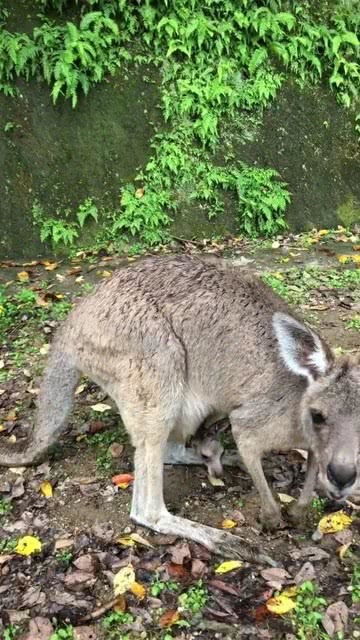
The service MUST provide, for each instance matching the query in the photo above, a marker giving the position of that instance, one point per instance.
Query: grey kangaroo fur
(178, 340)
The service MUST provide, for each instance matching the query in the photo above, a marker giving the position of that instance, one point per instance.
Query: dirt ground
(67, 587)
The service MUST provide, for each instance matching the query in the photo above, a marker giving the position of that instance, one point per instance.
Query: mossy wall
(60, 156)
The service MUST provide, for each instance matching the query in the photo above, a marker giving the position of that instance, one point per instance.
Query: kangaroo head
(211, 450)
(330, 406)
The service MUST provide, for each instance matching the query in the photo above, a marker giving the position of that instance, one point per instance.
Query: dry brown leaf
(169, 618)
(85, 633)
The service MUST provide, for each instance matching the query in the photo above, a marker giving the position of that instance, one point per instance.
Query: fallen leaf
(342, 551)
(335, 619)
(307, 572)
(46, 489)
(120, 604)
(178, 571)
(138, 590)
(12, 438)
(322, 232)
(77, 579)
(126, 541)
(44, 350)
(228, 565)
(39, 629)
(123, 580)
(216, 482)
(334, 522)
(280, 604)
(80, 389)
(87, 562)
(116, 449)
(85, 633)
(140, 540)
(139, 192)
(50, 266)
(285, 499)
(180, 553)
(275, 576)
(290, 592)
(100, 407)
(228, 524)
(104, 274)
(343, 537)
(169, 618)
(122, 480)
(2, 364)
(23, 276)
(224, 586)
(28, 545)
(198, 568)
(63, 543)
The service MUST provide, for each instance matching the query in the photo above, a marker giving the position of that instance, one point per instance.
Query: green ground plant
(195, 598)
(5, 507)
(308, 613)
(220, 60)
(63, 633)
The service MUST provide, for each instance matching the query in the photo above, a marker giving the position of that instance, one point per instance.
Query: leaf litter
(69, 578)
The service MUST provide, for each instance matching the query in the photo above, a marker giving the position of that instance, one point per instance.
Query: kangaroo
(177, 340)
(206, 449)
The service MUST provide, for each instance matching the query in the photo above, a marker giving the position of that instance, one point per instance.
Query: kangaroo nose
(341, 475)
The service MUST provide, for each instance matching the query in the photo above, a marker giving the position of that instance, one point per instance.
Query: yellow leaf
(334, 522)
(290, 592)
(323, 232)
(12, 438)
(342, 551)
(280, 604)
(228, 524)
(50, 266)
(228, 565)
(138, 590)
(344, 258)
(28, 545)
(104, 274)
(123, 580)
(140, 540)
(356, 258)
(126, 541)
(23, 276)
(285, 499)
(46, 489)
(2, 427)
(216, 482)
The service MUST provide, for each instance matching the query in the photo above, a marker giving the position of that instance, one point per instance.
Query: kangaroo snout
(341, 477)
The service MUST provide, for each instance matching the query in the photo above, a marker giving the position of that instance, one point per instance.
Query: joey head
(176, 340)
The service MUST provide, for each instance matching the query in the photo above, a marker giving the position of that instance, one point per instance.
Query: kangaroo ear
(301, 349)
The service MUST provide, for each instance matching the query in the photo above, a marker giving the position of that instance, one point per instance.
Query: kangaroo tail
(54, 405)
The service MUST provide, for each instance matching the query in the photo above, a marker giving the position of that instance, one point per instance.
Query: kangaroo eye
(317, 417)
